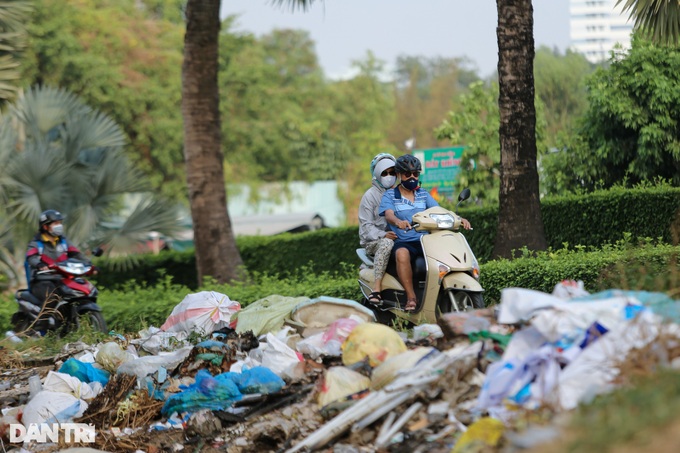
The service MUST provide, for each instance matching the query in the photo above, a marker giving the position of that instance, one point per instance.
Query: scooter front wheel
(464, 300)
(96, 320)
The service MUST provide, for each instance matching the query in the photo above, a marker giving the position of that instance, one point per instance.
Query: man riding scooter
(398, 206)
(48, 247)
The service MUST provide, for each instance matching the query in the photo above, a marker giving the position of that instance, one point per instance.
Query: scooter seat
(24, 294)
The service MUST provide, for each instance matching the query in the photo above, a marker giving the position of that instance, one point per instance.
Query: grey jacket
(371, 225)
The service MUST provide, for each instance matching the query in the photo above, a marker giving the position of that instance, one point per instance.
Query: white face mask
(388, 181)
(57, 230)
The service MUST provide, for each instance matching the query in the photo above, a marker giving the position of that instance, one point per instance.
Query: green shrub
(593, 220)
(647, 267)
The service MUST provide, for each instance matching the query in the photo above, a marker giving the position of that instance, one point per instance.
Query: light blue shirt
(404, 209)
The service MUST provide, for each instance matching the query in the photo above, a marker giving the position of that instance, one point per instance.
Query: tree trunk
(519, 215)
(216, 252)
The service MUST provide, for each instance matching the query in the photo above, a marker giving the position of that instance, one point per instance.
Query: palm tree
(57, 153)
(216, 252)
(519, 215)
(13, 19)
(657, 20)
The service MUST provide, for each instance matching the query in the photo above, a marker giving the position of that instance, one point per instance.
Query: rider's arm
(371, 226)
(33, 256)
(393, 220)
(73, 252)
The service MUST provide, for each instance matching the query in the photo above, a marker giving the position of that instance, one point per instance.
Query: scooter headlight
(75, 268)
(443, 220)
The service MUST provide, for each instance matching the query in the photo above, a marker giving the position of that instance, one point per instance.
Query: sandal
(411, 304)
(375, 298)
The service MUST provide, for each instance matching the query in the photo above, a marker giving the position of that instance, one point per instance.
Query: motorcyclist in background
(49, 246)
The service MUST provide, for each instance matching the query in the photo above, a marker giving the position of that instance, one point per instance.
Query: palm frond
(658, 20)
(150, 214)
(293, 4)
(42, 109)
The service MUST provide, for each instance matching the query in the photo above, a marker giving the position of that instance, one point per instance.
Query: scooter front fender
(461, 280)
(88, 306)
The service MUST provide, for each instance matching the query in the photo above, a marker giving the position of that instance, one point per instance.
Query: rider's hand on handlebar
(465, 223)
(404, 225)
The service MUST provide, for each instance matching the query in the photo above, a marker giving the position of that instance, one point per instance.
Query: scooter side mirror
(97, 251)
(464, 195)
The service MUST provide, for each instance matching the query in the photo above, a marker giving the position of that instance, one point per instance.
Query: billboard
(440, 170)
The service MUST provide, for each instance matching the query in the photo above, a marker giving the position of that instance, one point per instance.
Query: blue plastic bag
(84, 371)
(260, 380)
(206, 393)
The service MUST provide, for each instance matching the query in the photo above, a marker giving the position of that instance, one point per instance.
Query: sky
(345, 30)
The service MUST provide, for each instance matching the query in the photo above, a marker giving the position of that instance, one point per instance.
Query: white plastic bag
(279, 358)
(110, 356)
(52, 407)
(65, 383)
(202, 312)
(154, 340)
(143, 366)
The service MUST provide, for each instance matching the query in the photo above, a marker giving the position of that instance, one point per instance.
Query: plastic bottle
(34, 386)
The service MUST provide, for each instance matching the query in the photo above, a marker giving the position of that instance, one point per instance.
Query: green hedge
(648, 267)
(592, 220)
(584, 220)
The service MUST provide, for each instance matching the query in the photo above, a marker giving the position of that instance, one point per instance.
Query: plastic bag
(267, 314)
(213, 393)
(280, 358)
(375, 341)
(86, 372)
(339, 382)
(566, 289)
(146, 365)
(65, 383)
(387, 371)
(52, 407)
(259, 380)
(202, 312)
(110, 356)
(154, 340)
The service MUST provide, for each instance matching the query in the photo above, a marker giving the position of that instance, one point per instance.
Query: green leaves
(658, 20)
(630, 128)
(58, 153)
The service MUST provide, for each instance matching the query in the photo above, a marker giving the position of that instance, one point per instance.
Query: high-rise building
(596, 26)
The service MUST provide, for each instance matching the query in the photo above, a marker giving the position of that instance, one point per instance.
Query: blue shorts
(413, 247)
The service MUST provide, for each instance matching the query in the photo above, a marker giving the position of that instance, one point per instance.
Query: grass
(628, 415)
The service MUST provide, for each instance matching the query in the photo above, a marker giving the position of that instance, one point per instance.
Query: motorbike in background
(76, 299)
(445, 279)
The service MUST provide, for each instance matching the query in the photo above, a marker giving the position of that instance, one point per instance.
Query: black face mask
(410, 184)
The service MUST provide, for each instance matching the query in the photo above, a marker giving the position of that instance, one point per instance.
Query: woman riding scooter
(398, 207)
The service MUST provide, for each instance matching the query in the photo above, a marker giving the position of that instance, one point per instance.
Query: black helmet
(408, 162)
(49, 216)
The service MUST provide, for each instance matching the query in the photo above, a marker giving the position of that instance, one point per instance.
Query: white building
(596, 26)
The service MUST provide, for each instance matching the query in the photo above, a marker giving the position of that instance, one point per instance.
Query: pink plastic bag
(340, 329)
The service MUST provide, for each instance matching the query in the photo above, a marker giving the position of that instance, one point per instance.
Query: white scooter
(445, 280)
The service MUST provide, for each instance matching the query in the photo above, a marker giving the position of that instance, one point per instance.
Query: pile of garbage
(297, 374)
